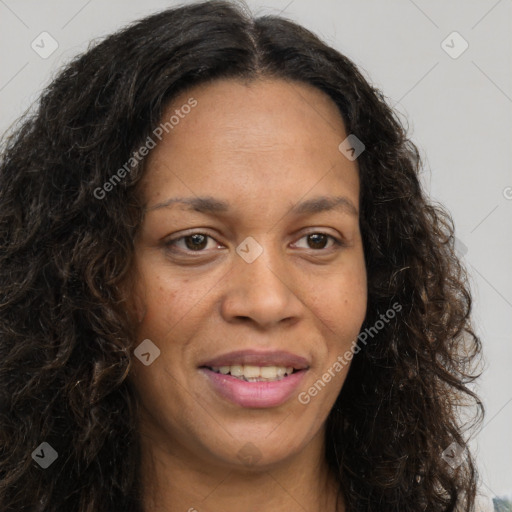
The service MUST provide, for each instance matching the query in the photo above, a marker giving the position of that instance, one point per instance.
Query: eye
(198, 242)
(318, 241)
(195, 242)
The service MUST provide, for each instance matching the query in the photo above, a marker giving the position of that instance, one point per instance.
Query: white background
(459, 113)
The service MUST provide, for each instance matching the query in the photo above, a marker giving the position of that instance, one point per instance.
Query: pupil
(318, 238)
(198, 242)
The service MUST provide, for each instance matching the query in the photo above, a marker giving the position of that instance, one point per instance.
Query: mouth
(252, 373)
(254, 379)
(254, 363)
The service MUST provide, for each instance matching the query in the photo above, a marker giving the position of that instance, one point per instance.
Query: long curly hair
(66, 334)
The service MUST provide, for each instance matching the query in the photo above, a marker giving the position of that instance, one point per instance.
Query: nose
(261, 292)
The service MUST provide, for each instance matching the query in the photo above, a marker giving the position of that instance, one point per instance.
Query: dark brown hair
(66, 338)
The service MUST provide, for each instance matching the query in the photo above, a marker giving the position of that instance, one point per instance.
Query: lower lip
(254, 394)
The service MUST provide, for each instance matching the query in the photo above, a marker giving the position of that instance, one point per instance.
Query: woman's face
(245, 275)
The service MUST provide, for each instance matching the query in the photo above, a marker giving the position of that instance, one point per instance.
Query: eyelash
(171, 244)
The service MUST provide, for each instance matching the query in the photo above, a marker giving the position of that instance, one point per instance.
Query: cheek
(156, 303)
(171, 304)
(342, 306)
(346, 283)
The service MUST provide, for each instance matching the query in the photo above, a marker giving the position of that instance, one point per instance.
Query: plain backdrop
(457, 104)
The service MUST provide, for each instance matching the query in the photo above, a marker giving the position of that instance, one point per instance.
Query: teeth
(280, 371)
(267, 372)
(236, 370)
(253, 373)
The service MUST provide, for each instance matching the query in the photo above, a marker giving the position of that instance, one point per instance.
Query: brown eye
(196, 242)
(317, 240)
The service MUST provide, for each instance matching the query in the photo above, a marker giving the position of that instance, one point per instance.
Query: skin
(262, 146)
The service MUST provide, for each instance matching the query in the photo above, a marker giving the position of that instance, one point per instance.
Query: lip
(254, 394)
(258, 358)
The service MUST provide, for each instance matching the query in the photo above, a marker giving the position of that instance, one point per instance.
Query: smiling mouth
(251, 373)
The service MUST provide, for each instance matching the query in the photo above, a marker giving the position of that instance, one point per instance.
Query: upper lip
(259, 358)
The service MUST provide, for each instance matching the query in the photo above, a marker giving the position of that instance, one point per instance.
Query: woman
(223, 287)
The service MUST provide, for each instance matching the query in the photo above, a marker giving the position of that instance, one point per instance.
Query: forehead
(251, 137)
(255, 114)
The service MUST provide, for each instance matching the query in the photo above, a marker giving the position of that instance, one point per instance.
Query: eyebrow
(210, 205)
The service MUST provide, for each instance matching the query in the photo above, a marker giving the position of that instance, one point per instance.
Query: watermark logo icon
(45, 455)
(249, 249)
(453, 455)
(351, 147)
(454, 45)
(44, 45)
(460, 247)
(146, 352)
(249, 454)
